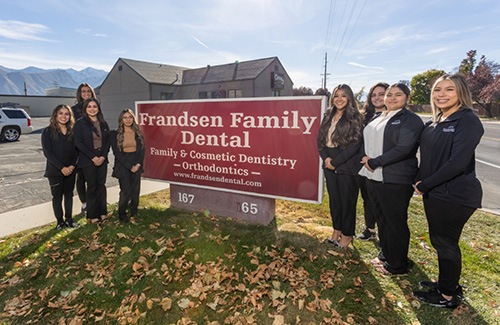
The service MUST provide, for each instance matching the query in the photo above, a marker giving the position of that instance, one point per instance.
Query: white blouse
(373, 136)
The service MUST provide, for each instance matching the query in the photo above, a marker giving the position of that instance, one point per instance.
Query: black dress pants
(130, 188)
(96, 190)
(343, 193)
(370, 219)
(61, 187)
(391, 203)
(81, 186)
(446, 222)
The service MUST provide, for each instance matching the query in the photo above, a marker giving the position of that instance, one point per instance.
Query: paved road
(22, 165)
(21, 173)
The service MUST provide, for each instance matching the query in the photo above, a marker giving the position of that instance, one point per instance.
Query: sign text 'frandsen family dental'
(259, 146)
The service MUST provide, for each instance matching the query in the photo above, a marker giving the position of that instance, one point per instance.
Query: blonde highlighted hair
(462, 89)
(121, 128)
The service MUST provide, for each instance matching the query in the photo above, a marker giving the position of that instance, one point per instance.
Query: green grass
(177, 267)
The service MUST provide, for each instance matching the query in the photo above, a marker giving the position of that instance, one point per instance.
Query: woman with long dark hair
(339, 140)
(390, 164)
(128, 147)
(447, 180)
(61, 154)
(84, 91)
(92, 141)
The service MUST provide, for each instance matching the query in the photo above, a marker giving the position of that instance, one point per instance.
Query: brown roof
(157, 73)
(226, 72)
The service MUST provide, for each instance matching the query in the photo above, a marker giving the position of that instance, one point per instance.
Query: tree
(483, 80)
(322, 92)
(421, 85)
(302, 91)
(359, 96)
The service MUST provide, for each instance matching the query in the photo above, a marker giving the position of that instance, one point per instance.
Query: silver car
(13, 123)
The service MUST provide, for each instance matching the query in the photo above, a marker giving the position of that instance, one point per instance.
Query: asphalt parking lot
(22, 166)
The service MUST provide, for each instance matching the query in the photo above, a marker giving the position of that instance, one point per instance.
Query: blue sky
(366, 41)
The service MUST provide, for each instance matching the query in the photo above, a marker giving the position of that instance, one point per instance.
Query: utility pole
(325, 74)
(25, 89)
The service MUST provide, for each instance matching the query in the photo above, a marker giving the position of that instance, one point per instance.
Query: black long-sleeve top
(399, 158)
(447, 167)
(85, 143)
(60, 151)
(125, 161)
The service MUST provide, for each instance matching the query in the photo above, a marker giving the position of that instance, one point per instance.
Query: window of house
(203, 94)
(235, 93)
(276, 93)
(166, 96)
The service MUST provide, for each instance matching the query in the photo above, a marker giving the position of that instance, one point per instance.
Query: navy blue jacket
(60, 152)
(447, 167)
(125, 161)
(399, 159)
(84, 142)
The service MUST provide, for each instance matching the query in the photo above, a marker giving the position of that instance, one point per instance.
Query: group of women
(81, 147)
(377, 153)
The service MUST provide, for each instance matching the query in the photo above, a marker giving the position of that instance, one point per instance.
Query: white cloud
(364, 66)
(21, 31)
(89, 32)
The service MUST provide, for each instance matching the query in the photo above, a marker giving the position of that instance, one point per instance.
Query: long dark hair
(348, 128)
(369, 108)
(121, 128)
(79, 98)
(100, 116)
(54, 125)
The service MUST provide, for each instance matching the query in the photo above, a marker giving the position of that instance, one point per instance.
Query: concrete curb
(15, 221)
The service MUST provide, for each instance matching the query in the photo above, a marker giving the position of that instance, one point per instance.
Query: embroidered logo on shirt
(396, 122)
(448, 129)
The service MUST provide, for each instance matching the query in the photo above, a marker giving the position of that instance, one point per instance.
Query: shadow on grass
(164, 252)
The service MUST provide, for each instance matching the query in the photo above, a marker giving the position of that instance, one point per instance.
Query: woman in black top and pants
(128, 147)
(61, 154)
(339, 140)
(92, 141)
(447, 180)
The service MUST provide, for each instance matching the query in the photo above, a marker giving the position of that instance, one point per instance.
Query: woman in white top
(390, 164)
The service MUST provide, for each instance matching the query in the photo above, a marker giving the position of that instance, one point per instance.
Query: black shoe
(60, 226)
(436, 299)
(381, 256)
(367, 235)
(124, 219)
(71, 224)
(459, 292)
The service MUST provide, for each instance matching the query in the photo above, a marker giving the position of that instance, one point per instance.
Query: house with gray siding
(131, 80)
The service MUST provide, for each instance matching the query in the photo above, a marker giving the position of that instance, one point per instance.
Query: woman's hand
(66, 171)
(364, 161)
(415, 188)
(135, 168)
(328, 164)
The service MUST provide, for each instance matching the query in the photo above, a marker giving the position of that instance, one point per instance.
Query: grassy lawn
(176, 267)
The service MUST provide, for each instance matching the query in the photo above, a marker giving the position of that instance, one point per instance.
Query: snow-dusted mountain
(37, 80)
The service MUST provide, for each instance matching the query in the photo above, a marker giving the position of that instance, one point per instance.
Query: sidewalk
(38, 215)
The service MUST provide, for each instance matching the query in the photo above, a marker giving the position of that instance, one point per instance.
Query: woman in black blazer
(92, 141)
(339, 140)
(128, 147)
(61, 154)
(390, 164)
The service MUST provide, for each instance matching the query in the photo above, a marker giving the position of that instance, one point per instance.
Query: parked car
(13, 123)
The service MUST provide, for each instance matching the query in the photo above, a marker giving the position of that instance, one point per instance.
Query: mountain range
(38, 80)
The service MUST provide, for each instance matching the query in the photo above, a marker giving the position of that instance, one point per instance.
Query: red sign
(259, 146)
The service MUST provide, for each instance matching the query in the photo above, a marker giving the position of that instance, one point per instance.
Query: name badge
(396, 122)
(449, 129)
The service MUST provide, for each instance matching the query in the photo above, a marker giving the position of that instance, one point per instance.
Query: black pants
(96, 190)
(61, 188)
(370, 219)
(343, 196)
(446, 222)
(130, 188)
(391, 203)
(81, 186)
